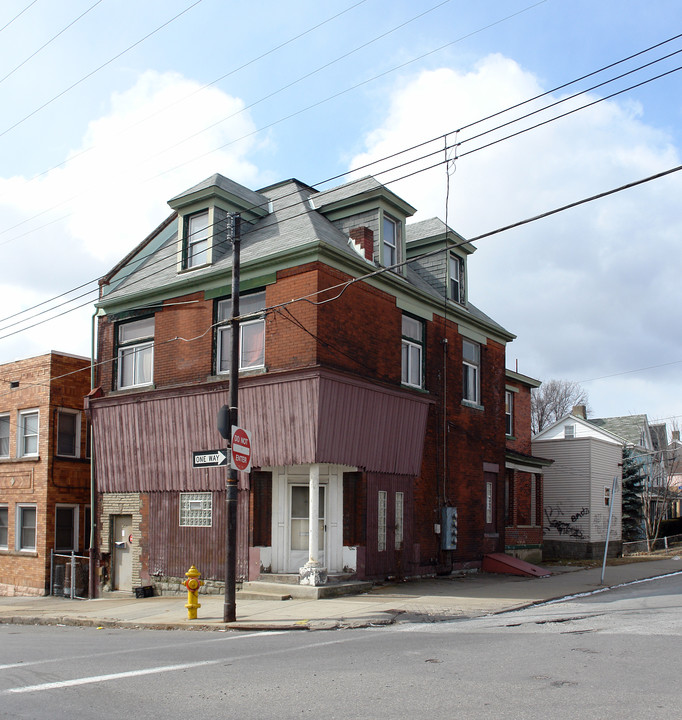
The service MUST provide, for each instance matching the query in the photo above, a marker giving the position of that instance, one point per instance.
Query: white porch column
(312, 573)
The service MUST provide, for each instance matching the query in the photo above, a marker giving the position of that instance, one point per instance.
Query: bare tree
(554, 399)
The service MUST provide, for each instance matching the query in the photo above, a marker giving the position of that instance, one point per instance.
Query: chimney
(579, 411)
(676, 435)
(364, 238)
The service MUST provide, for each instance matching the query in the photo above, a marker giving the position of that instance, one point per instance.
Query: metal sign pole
(608, 529)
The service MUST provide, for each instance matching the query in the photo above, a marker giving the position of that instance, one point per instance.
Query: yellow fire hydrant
(192, 584)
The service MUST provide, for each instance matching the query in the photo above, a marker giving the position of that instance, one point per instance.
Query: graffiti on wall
(565, 524)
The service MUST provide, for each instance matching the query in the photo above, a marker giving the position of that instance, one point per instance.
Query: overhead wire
(18, 15)
(503, 125)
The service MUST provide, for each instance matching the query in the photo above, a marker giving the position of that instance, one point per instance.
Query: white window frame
(390, 240)
(4, 527)
(4, 423)
(195, 509)
(23, 436)
(73, 545)
(412, 353)
(455, 278)
(76, 431)
(509, 412)
(569, 431)
(196, 247)
(20, 526)
(471, 373)
(129, 351)
(247, 304)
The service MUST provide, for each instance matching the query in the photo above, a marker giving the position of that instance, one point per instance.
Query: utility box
(449, 528)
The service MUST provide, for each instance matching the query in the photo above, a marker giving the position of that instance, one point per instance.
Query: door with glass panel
(299, 526)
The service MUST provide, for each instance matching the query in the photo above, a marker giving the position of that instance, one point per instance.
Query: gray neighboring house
(578, 487)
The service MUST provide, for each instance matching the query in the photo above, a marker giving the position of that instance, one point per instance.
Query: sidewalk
(427, 600)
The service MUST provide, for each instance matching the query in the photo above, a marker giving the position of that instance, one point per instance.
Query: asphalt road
(613, 654)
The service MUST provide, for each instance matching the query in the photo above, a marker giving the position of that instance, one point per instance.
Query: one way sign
(209, 458)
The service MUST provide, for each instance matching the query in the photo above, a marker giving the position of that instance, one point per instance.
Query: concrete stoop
(285, 587)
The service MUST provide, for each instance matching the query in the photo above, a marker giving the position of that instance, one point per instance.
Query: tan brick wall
(111, 504)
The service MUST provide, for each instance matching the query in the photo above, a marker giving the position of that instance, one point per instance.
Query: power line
(97, 69)
(6, 25)
(52, 39)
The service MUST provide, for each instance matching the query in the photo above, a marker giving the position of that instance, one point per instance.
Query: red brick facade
(44, 479)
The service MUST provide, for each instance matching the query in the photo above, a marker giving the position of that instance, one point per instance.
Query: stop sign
(241, 449)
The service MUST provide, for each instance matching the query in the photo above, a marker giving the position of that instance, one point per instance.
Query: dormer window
(195, 249)
(390, 241)
(455, 278)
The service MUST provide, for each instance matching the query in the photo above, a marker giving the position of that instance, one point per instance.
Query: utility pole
(229, 608)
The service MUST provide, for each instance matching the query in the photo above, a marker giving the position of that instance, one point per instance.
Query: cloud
(590, 291)
(73, 222)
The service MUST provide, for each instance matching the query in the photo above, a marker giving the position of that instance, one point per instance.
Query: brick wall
(110, 504)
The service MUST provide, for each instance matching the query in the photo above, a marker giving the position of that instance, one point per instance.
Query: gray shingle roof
(632, 428)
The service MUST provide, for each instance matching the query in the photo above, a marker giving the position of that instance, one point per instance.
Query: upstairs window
(68, 433)
(195, 249)
(136, 353)
(509, 412)
(412, 352)
(4, 436)
(569, 431)
(471, 372)
(390, 241)
(27, 441)
(251, 334)
(456, 278)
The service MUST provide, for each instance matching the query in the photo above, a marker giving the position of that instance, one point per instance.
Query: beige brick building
(44, 468)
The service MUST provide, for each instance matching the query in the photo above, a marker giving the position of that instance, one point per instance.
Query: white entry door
(299, 525)
(122, 565)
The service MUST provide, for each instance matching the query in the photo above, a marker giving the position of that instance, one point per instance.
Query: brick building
(44, 468)
(367, 378)
(523, 485)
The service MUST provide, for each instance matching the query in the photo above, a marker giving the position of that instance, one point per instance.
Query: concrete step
(265, 590)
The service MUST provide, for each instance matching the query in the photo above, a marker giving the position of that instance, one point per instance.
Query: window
(4, 519)
(399, 512)
(607, 496)
(251, 334)
(509, 412)
(136, 353)
(456, 278)
(195, 251)
(66, 528)
(196, 509)
(490, 480)
(27, 442)
(68, 433)
(569, 431)
(381, 521)
(26, 527)
(4, 436)
(390, 240)
(412, 352)
(471, 358)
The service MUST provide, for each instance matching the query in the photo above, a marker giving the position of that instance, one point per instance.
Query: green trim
(250, 284)
(472, 335)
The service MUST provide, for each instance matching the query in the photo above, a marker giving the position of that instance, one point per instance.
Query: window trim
(569, 431)
(5, 419)
(22, 436)
(410, 342)
(74, 527)
(19, 527)
(509, 413)
(455, 260)
(227, 328)
(382, 510)
(4, 545)
(76, 432)
(471, 368)
(387, 247)
(138, 344)
(188, 244)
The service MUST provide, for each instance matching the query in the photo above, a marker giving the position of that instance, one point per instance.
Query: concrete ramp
(501, 563)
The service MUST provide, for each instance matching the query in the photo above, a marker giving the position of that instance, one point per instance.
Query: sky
(109, 108)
